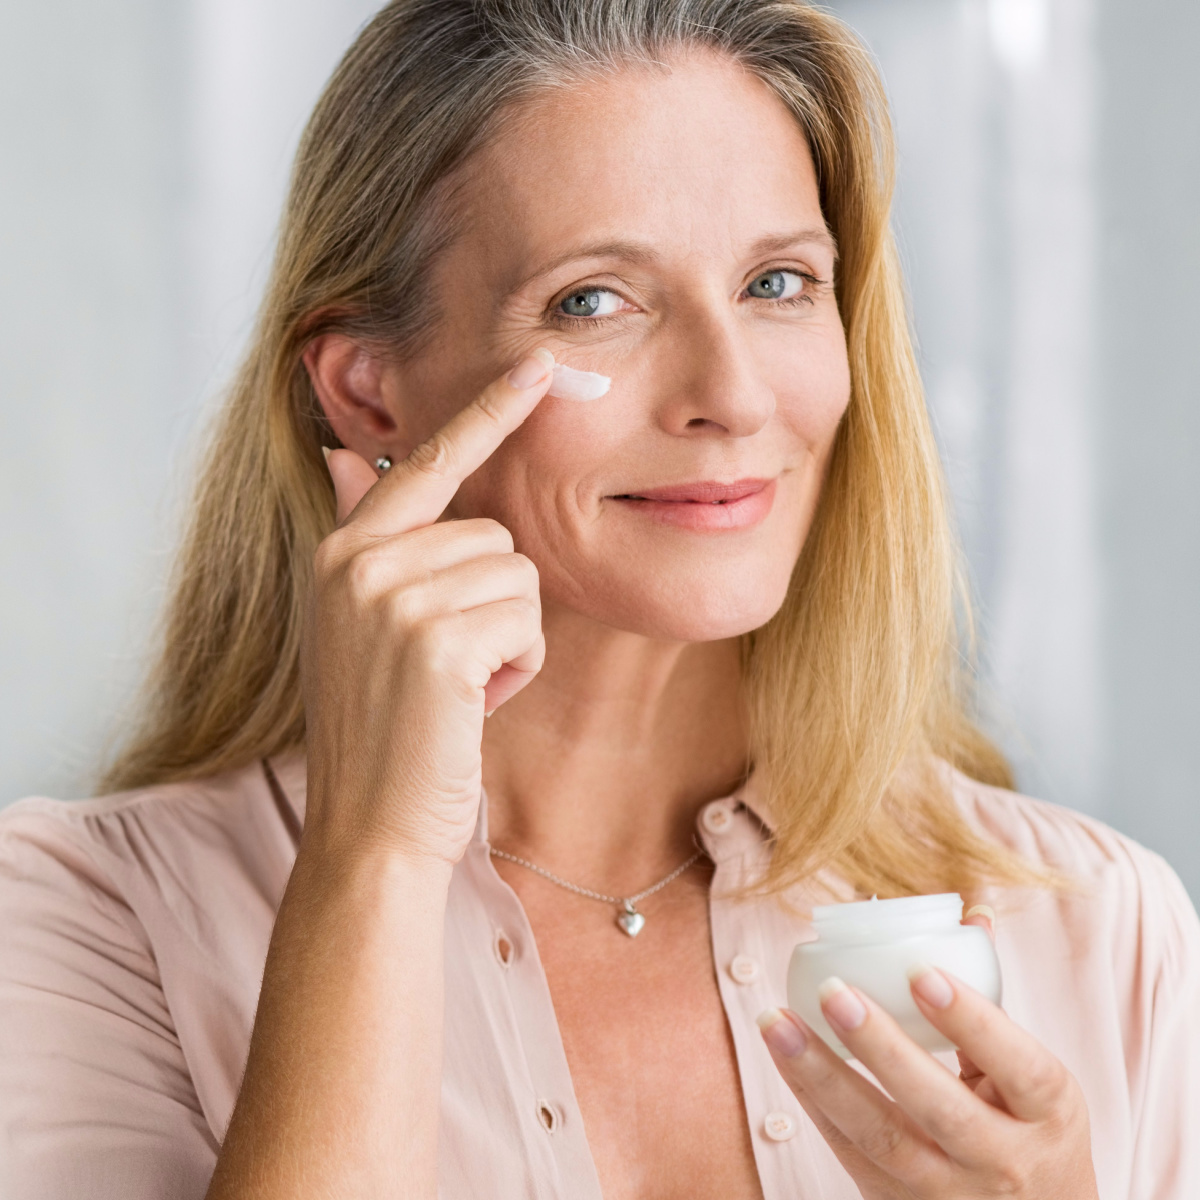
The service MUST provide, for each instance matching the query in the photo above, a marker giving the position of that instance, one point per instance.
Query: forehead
(693, 155)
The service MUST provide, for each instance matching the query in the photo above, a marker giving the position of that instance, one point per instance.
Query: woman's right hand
(417, 628)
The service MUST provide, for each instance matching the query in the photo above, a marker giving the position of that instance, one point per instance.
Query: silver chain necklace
(629, 919)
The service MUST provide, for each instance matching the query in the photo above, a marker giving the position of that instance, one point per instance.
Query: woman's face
(662, 227)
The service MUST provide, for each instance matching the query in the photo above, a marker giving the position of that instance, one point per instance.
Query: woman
(454, 668)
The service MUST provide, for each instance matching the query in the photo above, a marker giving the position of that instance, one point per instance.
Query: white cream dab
(569, 384)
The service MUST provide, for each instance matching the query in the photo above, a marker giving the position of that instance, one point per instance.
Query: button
(779, 1126)
(547, 1115)
(743, 969)
(717, 817)
(503, 948)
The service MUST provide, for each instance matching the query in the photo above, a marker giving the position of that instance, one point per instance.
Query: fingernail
(931, 985)
(325, 450)
(840, 1004)
(532, 369)
(781, 1033)
(981, 910)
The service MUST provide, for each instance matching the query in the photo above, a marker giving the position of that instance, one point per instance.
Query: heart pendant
(631, 922)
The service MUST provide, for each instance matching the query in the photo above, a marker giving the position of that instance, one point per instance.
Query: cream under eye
(570, 384)
(588, 303)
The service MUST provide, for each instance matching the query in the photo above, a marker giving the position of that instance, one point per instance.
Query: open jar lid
(874, 919)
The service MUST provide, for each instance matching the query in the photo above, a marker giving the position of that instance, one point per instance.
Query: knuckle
(540, 658)
(886, 1142)
(362, 574)
(497, 535)
(977, 1027)
(432, 640)
(838, 1141)
(488, 404)
(817, 1075)
(490, 535)
(531, 612)
(1067, 1107)
(890, 1055)
(432, 458)
(1047, 1080)
(528, 570)
(405, 607)
(950, 1120)
(1011, 1178)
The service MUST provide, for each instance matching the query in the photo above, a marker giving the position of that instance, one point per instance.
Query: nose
(716, 388)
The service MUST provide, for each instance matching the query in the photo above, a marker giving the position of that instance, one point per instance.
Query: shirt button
(779, 1126)
(717, 817)
(503, 948)
(743, 969)
(547, 1115)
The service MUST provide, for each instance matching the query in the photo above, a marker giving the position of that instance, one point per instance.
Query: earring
(384, 463)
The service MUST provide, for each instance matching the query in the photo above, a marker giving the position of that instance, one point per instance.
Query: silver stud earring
(384, 463)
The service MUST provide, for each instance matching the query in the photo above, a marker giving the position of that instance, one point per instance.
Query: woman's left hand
(1013, 1125)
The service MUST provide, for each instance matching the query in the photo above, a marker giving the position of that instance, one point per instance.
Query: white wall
(1050, 157)
(1050, 164)
(144, 150)
(92, 184)
(1148, 420)
(995, 104)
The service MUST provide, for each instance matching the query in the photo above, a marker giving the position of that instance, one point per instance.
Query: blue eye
(773, 285)
(589, 302)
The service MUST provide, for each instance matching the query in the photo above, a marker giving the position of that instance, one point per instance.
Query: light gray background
(1050, 167)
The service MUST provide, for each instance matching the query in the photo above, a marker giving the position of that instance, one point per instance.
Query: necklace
(629, 919)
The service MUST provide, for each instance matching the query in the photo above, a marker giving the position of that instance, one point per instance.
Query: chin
(684, 610)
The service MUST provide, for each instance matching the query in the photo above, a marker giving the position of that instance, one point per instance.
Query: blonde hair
(854, 687)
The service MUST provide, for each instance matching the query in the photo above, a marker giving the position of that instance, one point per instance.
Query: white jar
(872, 944)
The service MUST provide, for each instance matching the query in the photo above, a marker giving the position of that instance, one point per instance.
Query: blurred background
(1047, 212)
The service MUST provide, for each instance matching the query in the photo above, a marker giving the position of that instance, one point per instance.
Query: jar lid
(887, 918)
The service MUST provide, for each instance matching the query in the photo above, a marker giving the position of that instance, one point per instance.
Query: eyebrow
(781, 241)
(643, 254)
(636, 252)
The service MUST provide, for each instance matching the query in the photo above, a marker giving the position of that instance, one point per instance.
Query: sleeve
(1166, 1149)
(95, 1097)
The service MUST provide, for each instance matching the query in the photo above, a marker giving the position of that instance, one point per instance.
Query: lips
(706, 505)
(701, 493)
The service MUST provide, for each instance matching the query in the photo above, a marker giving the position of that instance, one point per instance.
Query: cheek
(813, 396)
(537, 483)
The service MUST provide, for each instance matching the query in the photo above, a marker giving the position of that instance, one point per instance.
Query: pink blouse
(134, 928)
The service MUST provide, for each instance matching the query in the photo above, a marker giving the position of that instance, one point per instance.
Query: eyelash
(804, 297)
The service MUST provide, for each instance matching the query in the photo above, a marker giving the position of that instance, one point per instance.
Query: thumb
(984, 916)
(353, 477)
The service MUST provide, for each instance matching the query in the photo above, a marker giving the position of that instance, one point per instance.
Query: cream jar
(873, 944)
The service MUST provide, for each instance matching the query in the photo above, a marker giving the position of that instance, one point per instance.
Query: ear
(353, 387)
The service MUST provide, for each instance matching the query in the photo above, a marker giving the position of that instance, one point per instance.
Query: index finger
(415, 492)
(965, 1126)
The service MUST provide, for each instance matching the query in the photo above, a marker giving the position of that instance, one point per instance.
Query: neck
(597, 768)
